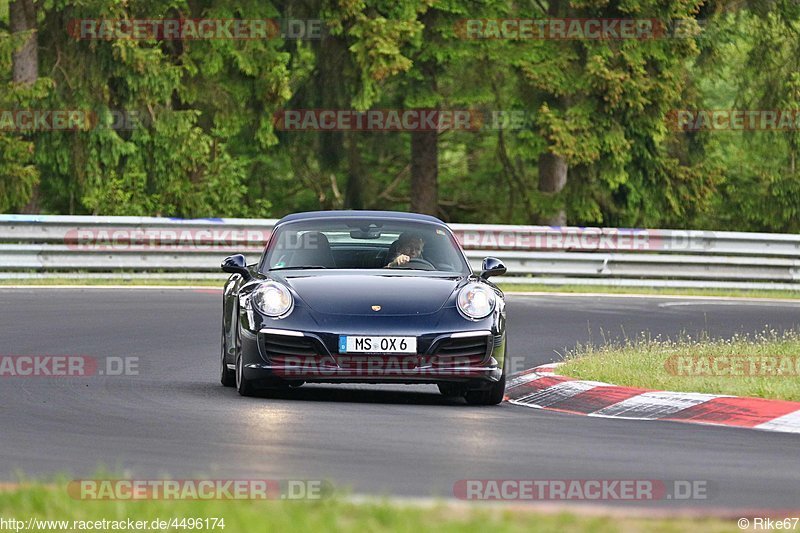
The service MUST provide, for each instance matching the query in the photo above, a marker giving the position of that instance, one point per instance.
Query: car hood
(356, 294)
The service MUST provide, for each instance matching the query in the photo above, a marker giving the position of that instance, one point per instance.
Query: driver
(409, 246)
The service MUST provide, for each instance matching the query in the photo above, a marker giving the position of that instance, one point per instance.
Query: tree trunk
(425, 144)
(25, 65)
(354, 194)
(553, 168)
(552, 179)
(22, 17)
(425, 172)
(331, 82)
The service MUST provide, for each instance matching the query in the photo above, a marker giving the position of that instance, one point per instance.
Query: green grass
(51, 502)
(652, 364)
(655, 291)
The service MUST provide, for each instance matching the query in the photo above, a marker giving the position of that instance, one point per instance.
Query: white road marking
(654, 405)
(789, 423)
(557, 393)
(771, 303)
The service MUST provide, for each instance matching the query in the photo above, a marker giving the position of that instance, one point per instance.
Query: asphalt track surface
(175, 420)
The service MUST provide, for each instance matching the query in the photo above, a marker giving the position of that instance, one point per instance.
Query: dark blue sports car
(368, 297)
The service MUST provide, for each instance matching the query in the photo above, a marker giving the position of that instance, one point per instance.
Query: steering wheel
(419, 263)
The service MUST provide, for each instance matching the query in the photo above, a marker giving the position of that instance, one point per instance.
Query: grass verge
(655, 291)
(764, 366)
(46, 502)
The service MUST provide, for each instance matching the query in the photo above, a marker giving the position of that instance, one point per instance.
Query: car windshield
(364, 244)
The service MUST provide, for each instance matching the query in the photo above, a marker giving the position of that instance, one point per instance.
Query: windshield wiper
(301, 267)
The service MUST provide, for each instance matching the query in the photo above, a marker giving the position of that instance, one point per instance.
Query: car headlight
(476, 301)
(272, 299)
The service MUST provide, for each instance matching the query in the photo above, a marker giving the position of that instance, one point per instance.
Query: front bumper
(474, 358)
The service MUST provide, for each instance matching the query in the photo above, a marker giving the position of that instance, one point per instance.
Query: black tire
(491, 396)
(227, 377)
(450, 389)
(243, 385)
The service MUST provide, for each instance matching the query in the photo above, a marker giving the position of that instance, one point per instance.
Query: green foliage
(18, 173)
(758, 70)
(203, 142)
(202, 113)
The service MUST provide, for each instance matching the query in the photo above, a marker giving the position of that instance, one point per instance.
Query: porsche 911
(364, 297)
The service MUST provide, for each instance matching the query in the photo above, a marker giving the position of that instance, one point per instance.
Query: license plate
(356, 344)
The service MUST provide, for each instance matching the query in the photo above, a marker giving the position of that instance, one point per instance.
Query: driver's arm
(401, 259)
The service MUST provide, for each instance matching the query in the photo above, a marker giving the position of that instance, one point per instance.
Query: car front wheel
(243, 385)
(227, 376)
(491, 396)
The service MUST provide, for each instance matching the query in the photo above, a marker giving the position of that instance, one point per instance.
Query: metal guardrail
(82, 246)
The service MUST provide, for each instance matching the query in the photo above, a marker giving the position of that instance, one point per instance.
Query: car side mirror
(236, 264)
(492, 266)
